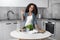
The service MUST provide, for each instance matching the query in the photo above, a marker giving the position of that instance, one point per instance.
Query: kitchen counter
(20, 19)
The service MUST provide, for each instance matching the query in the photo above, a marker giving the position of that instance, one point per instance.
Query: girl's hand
(22, 11)
(37, 27)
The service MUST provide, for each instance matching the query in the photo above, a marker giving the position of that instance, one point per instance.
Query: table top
(25, 35)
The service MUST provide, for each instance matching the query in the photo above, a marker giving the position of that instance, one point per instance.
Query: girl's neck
(30, 13)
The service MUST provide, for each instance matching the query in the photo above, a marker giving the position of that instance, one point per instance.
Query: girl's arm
(22, 15)
(36, 24)
(37, 27)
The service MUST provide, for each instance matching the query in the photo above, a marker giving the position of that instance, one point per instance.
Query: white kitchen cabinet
(57, 35)
(5, 30)
(23, 3)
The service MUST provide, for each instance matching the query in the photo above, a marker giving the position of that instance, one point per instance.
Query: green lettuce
(30, 27)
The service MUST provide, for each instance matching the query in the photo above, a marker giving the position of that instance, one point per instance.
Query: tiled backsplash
(4, 10)
(16, 10)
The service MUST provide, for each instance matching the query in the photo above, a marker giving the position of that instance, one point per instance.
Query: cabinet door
(5, 31)
(57, 35)
(23, 3)
(39, 3)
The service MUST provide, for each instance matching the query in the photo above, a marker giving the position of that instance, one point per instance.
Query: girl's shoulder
(33, 14)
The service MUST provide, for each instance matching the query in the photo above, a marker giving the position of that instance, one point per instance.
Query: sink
(14, 23)
(8, 23)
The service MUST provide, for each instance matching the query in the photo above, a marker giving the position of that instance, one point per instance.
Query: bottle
(39, 16)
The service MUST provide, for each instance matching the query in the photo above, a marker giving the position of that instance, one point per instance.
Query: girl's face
(31, 8)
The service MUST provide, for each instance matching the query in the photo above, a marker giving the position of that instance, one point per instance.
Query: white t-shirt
(29, 20)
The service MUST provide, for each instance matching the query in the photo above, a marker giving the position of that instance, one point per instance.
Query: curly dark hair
(35, 10)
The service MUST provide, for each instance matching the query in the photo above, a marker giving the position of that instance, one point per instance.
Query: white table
(25, 35)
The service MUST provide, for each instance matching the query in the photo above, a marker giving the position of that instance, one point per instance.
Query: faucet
(8, 14)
